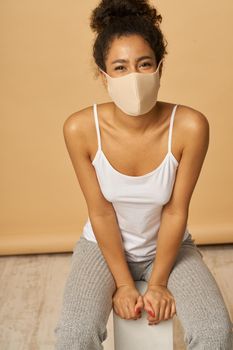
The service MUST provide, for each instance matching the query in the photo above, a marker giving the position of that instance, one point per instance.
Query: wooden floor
(31, 294)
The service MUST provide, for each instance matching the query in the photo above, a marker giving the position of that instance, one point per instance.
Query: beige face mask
(134, 93)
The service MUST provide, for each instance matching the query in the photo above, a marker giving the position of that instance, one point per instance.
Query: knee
(79, 337)
(217, 336)
(69, 337)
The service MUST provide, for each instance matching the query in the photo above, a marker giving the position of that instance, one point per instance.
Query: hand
(159, 303)
(127, 301)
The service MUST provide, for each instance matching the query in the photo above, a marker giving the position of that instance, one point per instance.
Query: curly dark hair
(115, 18)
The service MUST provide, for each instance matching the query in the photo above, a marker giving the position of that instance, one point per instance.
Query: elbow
(101, 214)
(178, 212)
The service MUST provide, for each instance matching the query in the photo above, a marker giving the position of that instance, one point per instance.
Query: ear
(103, 78)
(160, 70)
(161, 67)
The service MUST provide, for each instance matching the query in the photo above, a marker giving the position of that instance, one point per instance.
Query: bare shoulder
(82, 121)
(191, 125)
(78, 121)
(191, 120)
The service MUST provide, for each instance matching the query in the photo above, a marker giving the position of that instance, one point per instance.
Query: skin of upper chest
(132, 153)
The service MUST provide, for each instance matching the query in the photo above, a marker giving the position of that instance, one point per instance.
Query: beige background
(47, 73)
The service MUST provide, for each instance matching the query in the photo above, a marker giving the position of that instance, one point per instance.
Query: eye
(146, 63)
(118, 68)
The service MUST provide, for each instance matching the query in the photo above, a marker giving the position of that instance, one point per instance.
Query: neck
(137, 124)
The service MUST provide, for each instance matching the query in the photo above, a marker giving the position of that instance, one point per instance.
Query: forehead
(129, 47)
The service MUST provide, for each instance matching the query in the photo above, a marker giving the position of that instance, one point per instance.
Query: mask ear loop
(102, 71)
(105, 75)
(160, 64)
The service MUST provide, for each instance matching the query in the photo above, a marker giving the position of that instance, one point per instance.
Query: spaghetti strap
(170, 128)
(97, 125)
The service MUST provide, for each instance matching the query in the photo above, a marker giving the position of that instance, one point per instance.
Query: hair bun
(108, 10)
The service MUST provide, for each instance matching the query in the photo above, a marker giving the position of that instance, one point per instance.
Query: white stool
(138, 335)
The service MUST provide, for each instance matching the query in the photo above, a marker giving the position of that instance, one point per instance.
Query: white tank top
(137, 200)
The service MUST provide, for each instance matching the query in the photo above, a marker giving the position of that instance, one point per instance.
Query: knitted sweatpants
(87, 299)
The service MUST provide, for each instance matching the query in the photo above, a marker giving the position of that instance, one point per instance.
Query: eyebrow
(137, 60)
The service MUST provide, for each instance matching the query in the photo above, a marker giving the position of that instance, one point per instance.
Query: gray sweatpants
(87, 299)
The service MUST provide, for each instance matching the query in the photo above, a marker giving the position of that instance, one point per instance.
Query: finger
(148, 308)
(136, 310)
(151, 317)
(138, 314)
(173, 309)
(139, 305)
(168, 311)
(127, 311)
(116, 309)
(132, 313)
(122, 312)
(156, 310)
(163, 304)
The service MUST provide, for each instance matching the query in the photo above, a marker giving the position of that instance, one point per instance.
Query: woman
(137, 161)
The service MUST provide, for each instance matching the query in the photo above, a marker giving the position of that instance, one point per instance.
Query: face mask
(134, 93)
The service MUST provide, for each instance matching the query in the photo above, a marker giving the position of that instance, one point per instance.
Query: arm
(175, 213)
(101, 212)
